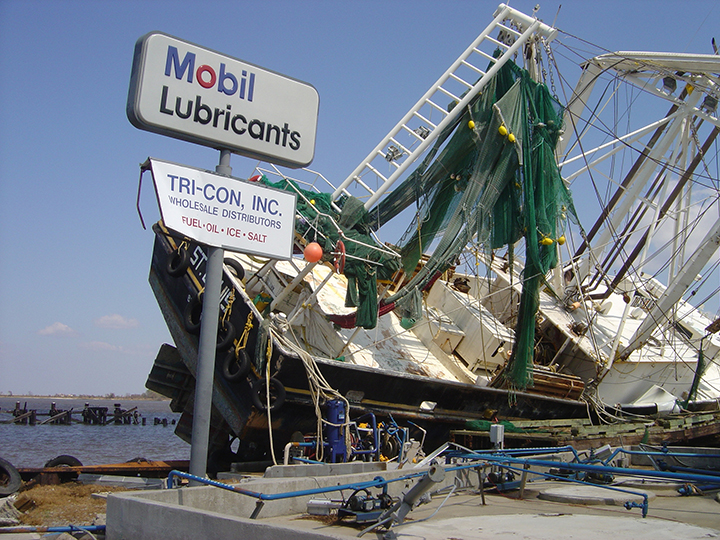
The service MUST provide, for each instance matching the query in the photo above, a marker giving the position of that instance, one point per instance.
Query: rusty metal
(57, 475)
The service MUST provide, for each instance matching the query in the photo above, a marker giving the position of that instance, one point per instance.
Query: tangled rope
(320, 390)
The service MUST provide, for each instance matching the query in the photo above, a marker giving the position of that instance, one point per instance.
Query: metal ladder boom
(409, 139)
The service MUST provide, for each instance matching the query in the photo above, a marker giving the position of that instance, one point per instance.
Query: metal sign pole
(207, 348)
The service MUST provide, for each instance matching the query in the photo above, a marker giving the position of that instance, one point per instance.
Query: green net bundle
(494, 181)
(365, 261)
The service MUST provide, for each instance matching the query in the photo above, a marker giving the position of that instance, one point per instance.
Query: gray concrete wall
(135, 518)
(210, 512)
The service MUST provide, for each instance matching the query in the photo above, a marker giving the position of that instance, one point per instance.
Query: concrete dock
(548, 510)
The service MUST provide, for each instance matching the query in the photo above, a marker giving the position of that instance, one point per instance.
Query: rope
(228, 309)
(267, 398)
(320, 389)
(242, 342)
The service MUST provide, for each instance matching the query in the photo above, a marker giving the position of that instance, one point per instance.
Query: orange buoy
(313, 252)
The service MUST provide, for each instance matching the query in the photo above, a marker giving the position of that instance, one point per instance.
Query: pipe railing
(481, 459)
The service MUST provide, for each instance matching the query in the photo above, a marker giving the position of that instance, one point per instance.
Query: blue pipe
(378, 481)
(672, 468)
(306, 460)
(376, 437)
(645, 505)
(597, 468)
(42, 529)
(209, 482)
(522, 451)
(688, 490)
(660, 454)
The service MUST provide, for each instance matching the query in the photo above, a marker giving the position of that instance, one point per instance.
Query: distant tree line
(147, 394)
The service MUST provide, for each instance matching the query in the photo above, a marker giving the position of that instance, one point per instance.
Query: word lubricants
(192, 93)
(225, 118)
(225, 212)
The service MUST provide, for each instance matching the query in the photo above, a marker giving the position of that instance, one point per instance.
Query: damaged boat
(499, 300)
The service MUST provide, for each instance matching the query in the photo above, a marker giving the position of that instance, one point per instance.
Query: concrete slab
(552, 527)
(201, 513)
(661, 488)
(192, 512)
(320, 469)
(582, 494)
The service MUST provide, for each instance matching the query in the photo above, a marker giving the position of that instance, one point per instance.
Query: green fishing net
(494, 181)
(365, 261)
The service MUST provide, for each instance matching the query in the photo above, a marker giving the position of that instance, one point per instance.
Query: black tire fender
(178, 262)
(225, 336)
(191, 316)
(241, 360)
(10, 480)
(236, 267)
(70, 461)
(277, 391)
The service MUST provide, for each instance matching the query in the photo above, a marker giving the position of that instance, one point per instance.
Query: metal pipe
(628, 504)
(43, 529)
(205, 369)
(288, 446)
(598, 468)
(523, 451)
(401, 508)
(287, 290)
(660, 453)
(378, 481)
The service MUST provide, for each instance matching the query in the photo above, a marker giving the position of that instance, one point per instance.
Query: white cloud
(57, 329)
(115, 321)
(99, 346)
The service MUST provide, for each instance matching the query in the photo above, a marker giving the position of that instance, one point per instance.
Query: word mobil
(206, 75)
(228, 84)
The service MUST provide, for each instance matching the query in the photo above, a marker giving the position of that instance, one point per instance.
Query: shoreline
(83, 396)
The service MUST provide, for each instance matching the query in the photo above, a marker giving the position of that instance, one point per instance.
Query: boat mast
(613, 230)
(694, 265)
(447, 98)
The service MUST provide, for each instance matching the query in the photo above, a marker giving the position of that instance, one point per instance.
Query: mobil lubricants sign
(195, 94)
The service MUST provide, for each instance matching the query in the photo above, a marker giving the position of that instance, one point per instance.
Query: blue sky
(76, 312)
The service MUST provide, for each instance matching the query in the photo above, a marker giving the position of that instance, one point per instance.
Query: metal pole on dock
(207, 348)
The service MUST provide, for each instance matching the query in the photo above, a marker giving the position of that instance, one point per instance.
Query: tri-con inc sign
(195, 94)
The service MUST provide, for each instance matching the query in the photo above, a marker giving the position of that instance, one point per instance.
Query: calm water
(32, 446)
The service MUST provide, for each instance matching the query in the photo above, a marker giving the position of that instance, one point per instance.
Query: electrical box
(497, 435)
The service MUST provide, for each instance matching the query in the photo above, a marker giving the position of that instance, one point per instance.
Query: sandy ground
(71, 503)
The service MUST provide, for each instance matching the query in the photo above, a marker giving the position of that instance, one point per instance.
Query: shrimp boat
(500, 299)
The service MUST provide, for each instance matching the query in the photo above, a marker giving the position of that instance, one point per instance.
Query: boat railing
(312, 185)
(313, 181)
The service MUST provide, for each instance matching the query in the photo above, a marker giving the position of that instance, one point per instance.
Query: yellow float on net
(502, 130)
(511, 137)
(471, 124)
(546, 241)
(561, 240)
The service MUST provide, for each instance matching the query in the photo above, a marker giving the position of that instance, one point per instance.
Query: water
(33, 446)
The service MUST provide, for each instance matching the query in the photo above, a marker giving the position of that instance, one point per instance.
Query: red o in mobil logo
(207, 76)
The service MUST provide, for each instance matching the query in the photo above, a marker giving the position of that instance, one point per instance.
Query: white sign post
(224, 212)
(188, 92)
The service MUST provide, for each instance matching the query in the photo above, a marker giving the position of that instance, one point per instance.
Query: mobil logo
(208, 76)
